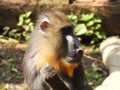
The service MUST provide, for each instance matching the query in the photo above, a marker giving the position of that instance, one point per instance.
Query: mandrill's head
(56, 42)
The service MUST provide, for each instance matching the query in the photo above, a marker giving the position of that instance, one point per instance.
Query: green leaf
(27, 14)
(102, 35)
(97, 20)
(20, 23)
(22, 16)
(90, 23)
(98, 35)
(30, 24)
(86, 17)
(27, 20)
(31, 27)
(97, 27)
(89, 32)
(72, 16)
(26, 27)
(27, 36)
(6, 28)
(95, 67)
(80, 29)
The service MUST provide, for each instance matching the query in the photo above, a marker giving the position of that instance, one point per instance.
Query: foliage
(11, 55)
(88, 25)
(24, 28)
(96, 78)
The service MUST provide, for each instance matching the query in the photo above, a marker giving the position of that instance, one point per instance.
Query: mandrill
(53, 42)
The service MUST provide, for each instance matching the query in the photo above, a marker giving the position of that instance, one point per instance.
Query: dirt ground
(11, 55)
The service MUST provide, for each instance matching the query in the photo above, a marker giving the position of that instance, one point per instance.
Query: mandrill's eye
(67, 30)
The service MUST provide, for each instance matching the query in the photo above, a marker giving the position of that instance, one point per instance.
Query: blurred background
(95, 20)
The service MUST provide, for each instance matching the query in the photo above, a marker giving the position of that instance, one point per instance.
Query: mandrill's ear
(44, 22)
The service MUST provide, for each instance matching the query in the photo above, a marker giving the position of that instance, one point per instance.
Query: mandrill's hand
(47, 72)
(49, 75)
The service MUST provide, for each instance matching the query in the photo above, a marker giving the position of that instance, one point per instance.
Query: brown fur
(51, 48)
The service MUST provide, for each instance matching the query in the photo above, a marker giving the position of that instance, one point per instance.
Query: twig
(98, 60)
(92, 58)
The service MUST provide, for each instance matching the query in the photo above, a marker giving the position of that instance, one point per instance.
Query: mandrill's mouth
(76, 56)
